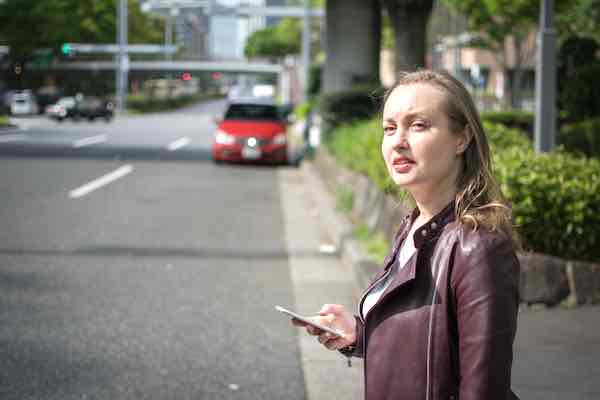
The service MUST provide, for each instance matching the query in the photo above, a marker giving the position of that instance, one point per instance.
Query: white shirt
(404, 255)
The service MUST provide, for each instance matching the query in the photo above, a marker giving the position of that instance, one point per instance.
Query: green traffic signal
(66, 49)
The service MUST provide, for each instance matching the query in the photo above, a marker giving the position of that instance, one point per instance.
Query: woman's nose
(400, 139)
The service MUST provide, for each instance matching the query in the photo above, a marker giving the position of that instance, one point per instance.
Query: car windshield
(252, 112)
(67, 102)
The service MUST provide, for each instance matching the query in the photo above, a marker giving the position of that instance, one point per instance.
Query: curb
(545, 280)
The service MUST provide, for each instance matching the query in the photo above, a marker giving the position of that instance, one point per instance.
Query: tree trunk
(515, 100)
(409, 19)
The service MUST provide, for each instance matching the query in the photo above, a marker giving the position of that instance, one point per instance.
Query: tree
(409, 19)
(29, 25)
(580, 19)
(503, 27)
(276, 41)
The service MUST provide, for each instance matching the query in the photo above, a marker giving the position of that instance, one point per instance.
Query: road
(159, 284)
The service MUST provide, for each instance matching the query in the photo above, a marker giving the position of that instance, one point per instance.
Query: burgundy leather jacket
(445, 325)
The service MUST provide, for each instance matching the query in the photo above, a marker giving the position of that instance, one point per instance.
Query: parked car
(91, 108)
(23, 103)
(64, 108)
(251, 131)
(88, 107)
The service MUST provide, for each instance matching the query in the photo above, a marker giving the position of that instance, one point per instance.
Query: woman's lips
(402, 164)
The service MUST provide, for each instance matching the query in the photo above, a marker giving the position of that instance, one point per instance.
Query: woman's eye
(388, 130)
(418, 126)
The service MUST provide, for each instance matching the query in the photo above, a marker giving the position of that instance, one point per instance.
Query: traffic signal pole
(122, 57)
(545, 81)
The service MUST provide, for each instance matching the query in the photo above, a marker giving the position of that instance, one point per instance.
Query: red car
(251, 132)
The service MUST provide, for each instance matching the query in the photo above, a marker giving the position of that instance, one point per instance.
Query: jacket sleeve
(485, 281)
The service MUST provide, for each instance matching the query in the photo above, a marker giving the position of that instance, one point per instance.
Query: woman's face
(421, 153)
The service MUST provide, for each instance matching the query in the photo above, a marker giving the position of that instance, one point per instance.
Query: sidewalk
(557, 351)
(318, 277)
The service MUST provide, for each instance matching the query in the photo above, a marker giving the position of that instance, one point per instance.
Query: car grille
(244, 141)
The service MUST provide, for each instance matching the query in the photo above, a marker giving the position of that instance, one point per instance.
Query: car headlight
(224, 138)
(280, 139)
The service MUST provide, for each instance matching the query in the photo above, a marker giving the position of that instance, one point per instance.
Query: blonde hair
(479, 200)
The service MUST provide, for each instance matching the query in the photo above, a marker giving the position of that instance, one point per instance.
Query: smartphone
(309, 321)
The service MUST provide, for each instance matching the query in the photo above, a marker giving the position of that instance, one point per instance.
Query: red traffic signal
(186, 76)
(216, 75)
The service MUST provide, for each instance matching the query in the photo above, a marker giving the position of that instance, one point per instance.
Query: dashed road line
(12, 138)
(179, 143)
(101, 181)
(89, 141)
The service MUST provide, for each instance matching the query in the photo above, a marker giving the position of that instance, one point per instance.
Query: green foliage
(583, 137)
(144, 104)
(28, 25)
(580, 19)
(4, 120)
(578, 97)
(346, 106)
(276, 41)
(497, 19)
(556, 201)
(344, 199)
(303, 109)
(358, 147)
(375, 243)
(314, 80)
(518, 119)
(501, 137)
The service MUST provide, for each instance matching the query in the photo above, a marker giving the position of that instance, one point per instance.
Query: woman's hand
(337, 317)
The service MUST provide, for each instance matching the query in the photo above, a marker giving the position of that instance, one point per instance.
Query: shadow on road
(107, 153)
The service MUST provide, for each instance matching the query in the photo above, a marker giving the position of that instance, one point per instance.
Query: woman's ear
(464, 139)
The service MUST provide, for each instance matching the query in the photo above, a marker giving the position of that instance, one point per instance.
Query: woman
(438, 322)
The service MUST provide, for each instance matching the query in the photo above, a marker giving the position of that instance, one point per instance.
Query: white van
(23, 104)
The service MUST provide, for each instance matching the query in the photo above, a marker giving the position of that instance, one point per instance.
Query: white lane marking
(11, 138)
(89, 140)
(179, 143)
(98, 183)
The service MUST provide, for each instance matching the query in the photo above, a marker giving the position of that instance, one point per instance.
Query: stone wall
(545, 279)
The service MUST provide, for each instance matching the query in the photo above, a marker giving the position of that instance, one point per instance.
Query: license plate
(251, 153)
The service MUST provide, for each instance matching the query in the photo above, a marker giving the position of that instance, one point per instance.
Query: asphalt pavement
(159, 283)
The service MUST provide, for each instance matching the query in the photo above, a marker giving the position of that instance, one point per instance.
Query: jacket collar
(434, 226)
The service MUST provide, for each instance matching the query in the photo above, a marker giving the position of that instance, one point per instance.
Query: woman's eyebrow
(408, 116)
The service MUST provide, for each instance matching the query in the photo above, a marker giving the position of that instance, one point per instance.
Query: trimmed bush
(522, 120)
(152, 104)
(556, 201)
(581, 137)
(578, 99)
(346, 106)
(358, 147)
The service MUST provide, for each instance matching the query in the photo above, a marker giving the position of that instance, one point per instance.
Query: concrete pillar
(352, 43)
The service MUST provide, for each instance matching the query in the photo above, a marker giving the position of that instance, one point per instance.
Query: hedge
(522, 120)
(581, 137)
(153, 104)
(555, 196)
(347, 106)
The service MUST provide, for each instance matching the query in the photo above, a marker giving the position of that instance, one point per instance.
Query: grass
(4, 120)
(375, 243)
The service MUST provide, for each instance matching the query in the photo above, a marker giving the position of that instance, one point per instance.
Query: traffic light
(186, 76)
(66, 49)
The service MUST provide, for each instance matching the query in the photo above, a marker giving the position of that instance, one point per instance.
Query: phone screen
(309, 321)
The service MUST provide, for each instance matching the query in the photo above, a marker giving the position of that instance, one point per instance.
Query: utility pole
(545, 81)
(305, 49)
(123, 57)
